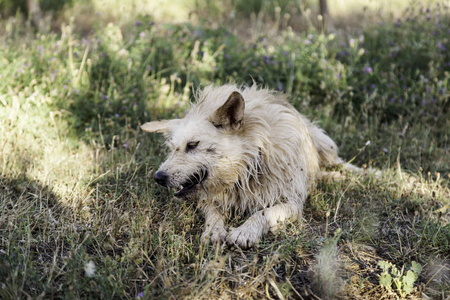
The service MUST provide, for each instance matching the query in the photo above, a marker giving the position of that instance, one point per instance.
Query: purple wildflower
(280, 86)
(368, 70)
(198, 33)
(138, 23)
(440, 46)
(140, 295)
(116, 115)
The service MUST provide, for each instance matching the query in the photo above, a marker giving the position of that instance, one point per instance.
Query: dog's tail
(328, 155)
(339, 175)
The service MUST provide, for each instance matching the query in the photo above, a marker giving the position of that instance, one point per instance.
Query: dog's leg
(215, 230)
(261, 222)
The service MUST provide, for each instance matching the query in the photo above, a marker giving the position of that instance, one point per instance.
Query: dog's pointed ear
(164, 126)
(231, 114)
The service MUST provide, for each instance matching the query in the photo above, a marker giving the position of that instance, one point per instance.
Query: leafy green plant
(403, 282)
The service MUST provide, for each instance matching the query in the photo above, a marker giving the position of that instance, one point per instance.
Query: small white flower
(352, 43)
(89, 268)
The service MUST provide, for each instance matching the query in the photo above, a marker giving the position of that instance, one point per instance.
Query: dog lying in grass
(244, 149)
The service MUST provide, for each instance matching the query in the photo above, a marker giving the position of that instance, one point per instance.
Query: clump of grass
(326, 279)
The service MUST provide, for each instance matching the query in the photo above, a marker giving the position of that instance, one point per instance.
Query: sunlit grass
(381, 8)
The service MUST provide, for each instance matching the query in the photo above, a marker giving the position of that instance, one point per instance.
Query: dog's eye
(191, 145)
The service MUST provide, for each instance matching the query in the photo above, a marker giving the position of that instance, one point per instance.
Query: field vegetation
(81, 218)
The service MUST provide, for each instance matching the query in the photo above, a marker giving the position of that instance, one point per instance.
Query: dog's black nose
(161, 178)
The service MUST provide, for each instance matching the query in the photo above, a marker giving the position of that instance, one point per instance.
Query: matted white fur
(243, 149)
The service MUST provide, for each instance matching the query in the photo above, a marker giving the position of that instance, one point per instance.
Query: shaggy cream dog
(243, 149)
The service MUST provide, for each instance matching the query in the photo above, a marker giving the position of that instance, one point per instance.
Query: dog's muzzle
(184, 188)
(161, 178)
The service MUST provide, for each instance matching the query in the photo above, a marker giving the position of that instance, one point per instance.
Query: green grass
(76, 185)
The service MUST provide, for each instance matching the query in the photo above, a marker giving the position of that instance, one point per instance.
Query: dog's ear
(231, 114)
(164, 126)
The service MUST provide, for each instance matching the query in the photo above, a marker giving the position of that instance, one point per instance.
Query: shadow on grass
(28, 209)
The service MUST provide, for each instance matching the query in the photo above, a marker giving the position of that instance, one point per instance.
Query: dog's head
(204, 148)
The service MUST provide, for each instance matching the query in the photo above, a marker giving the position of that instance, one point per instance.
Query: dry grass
(142, 241)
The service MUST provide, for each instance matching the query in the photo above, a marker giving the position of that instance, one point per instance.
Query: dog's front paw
(215, 234)
(243, 236)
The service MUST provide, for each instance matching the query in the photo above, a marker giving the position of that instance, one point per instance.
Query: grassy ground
(81, 217)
